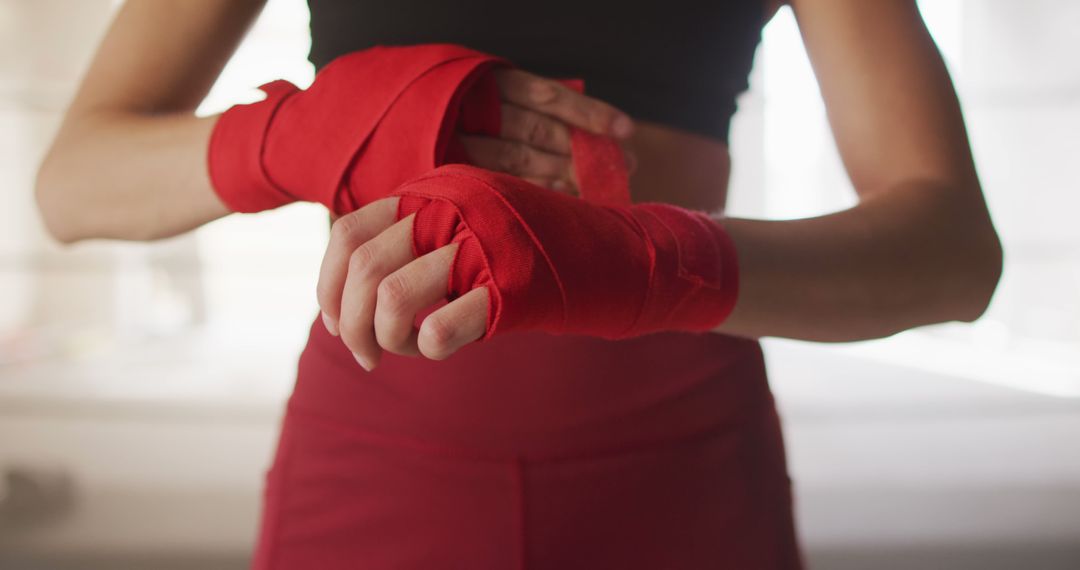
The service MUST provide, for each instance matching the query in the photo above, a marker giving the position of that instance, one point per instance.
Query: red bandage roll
(562, 265)
(599, 163)
(371, 120)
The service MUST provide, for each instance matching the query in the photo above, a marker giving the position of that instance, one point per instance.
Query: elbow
(49, 196)
(980, 273)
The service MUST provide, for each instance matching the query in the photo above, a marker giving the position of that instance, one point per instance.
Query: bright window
(235, 298)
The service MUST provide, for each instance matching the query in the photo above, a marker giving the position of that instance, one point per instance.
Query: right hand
(537, 115)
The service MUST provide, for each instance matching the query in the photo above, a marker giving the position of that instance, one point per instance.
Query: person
(501, 432)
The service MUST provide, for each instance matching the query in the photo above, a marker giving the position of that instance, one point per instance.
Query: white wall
(147, 380)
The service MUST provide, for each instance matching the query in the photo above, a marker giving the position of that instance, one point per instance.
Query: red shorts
(532, 451)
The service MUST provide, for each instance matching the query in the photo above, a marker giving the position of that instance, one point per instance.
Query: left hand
(371, 287)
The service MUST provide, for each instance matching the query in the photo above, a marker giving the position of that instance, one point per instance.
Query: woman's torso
(677, 68)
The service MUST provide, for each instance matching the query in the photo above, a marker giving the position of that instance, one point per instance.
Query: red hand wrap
(599, 163)
(377, 118)
(563, 265)
(371, 120)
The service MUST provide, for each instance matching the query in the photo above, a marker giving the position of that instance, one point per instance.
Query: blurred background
(141, 384)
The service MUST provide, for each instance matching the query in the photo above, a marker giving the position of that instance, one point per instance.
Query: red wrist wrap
(598, 266)
(375, 119)
(563, 265)
(371, 120)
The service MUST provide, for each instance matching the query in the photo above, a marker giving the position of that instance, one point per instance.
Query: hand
(537, 114)
(529, 259)
(371, 287)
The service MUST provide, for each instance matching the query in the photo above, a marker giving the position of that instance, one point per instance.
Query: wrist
(695, 273)
(235, 153)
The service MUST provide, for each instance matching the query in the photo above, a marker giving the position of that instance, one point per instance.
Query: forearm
(123, 175)
(907, 256)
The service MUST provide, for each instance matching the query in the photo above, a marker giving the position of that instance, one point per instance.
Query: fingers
(407, 291)
(455, 325)
(368, 265)
(535, 129)
(371, 288)
(550, 97)
(519, 159)
(347, 234)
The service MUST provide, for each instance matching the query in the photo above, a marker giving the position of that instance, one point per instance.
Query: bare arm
(129, 161)
(919, 248)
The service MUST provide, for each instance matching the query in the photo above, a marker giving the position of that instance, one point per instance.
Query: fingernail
(330, 324)
(622, 126)
(363, 362)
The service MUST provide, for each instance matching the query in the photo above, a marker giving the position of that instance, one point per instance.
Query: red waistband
(538, 395)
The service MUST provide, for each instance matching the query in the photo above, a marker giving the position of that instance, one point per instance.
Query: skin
(131, 126)
(918, 248)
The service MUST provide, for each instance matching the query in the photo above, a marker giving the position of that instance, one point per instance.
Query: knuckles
(343, 228)
(436, 337)
(542, 91)
(394, 294)
(514, 158)
(536, 131)
(363, 261)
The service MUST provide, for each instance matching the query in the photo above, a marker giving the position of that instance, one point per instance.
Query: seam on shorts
(517, 473)
(273, 508)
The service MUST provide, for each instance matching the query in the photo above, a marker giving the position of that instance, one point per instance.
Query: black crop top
(677, 62)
